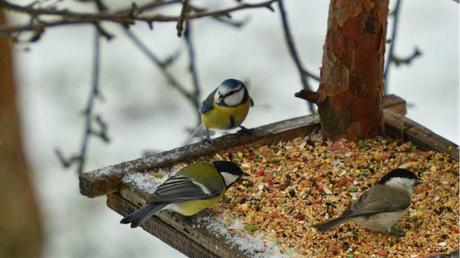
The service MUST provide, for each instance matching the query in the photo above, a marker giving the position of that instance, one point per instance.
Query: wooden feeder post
(21, 232)
(350, 94)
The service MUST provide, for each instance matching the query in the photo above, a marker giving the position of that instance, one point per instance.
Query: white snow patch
(143, 181)
(253, 245)
(101, 172)
(146, 182)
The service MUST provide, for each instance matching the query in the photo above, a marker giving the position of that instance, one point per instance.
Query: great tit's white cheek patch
(229, 178)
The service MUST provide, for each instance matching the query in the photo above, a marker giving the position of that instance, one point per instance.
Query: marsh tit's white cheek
(234, 99)
(402, 183)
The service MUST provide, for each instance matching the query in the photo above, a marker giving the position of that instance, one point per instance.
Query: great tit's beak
(245, 176)
(418, 181)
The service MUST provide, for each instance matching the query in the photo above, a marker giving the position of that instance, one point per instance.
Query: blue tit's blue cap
(232, 83)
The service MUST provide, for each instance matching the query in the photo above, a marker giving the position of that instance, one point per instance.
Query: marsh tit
(383, 205)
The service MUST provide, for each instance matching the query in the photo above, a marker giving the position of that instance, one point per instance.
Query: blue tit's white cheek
(217, 96)
(234, 99)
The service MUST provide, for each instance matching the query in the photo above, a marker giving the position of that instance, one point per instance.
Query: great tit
(380, 207)
(191, 190)
(226, 107)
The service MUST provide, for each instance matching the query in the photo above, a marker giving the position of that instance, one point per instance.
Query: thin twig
(67, 17)
(394, 34)
(304, 74)
(182, 18)
(169, 77)
(406, 60)
(392, 58)
(90, 118)
(94, 124)
(91, 100)
(232, 23)
(148, 6)
(192, 66)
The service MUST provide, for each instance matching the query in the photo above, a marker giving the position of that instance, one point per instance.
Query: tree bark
(20, 227)
(351, 88)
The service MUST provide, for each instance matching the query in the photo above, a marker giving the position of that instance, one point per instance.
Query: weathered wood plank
(195, 241)
(398, 126)
(184, 226)
(395, 104)
(161, 230)
(107, 179)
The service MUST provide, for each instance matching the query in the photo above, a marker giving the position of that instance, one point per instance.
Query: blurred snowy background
(144, 113)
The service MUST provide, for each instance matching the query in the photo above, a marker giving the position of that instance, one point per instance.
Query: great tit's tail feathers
(136, 218)
(323, 227)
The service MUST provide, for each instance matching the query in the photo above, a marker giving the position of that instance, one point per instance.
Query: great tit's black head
(402, 178)
(231, 93)
(229, 171)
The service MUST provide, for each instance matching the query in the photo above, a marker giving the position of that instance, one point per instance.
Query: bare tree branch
(192, 66)
(392, 58)
(94, 124)
(182, 18)
(406, 60)
(66, 17)
(394, 33)
(304, 74)
(233, 23)
(169, 77)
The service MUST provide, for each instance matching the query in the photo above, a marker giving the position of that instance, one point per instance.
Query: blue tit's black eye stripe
(229, 93)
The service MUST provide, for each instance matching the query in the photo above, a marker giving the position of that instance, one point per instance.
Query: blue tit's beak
(220, 99)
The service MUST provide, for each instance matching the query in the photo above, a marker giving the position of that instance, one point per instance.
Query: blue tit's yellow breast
(222, 117)
(189, 208)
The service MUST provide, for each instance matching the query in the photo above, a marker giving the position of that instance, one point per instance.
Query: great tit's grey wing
(181, 188)
(379, 199)
(208, 104)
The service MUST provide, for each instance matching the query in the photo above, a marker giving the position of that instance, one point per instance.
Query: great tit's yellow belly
(222, 117)
(189, 208)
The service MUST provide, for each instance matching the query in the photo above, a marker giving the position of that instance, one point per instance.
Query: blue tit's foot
(245, 131)
(208, 137)
(209, 140)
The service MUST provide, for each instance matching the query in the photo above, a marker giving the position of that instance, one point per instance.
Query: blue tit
(191, 190)
(380, 207)
(226, 107)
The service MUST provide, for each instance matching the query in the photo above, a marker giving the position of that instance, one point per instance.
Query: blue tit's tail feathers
(198, 132)
(323, 227)
(136, 218)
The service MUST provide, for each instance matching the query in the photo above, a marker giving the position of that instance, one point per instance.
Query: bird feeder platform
(211, 233)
